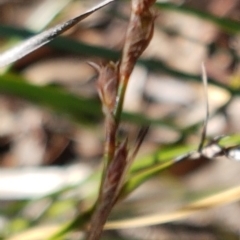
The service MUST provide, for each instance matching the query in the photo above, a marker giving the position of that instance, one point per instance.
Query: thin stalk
(121, 95)
(112, 85)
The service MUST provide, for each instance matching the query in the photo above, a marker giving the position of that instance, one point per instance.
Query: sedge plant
(113, 78)
(112, 84)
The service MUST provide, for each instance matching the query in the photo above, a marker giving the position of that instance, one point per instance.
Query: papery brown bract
(107, 84)
(139, 6)
(116, 169)
(110, 189)
(139, 34)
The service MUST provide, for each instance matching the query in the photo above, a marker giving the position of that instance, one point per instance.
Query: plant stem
(121, 94)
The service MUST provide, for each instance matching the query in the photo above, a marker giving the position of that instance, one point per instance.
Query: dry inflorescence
(111, 85)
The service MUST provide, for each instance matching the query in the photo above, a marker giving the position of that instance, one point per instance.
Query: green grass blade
(152, 164)
(55, 98)
(84, 110)
(136, 180)
(73, 46)
(160, 156)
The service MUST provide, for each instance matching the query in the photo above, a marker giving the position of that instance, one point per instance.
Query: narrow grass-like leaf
(55, 98)
(162, 161)
(139, 178)
(80, 109)
(161, 156)
(204, 130)
(73, 46)
(41, 39)
(215, 200)
(228, 141)
(37, 233)
(152, 164)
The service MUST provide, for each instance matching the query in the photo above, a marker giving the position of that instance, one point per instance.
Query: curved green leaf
(73, 46)
(58, 99)
(84, 110)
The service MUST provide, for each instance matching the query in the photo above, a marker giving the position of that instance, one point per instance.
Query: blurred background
(51, 125)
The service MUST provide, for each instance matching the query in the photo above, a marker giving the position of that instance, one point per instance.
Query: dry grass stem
(225, 197)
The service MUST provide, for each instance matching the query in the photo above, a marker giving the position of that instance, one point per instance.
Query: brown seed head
(118, 164)
(107, 84)
(139, 34)
(139, 6)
